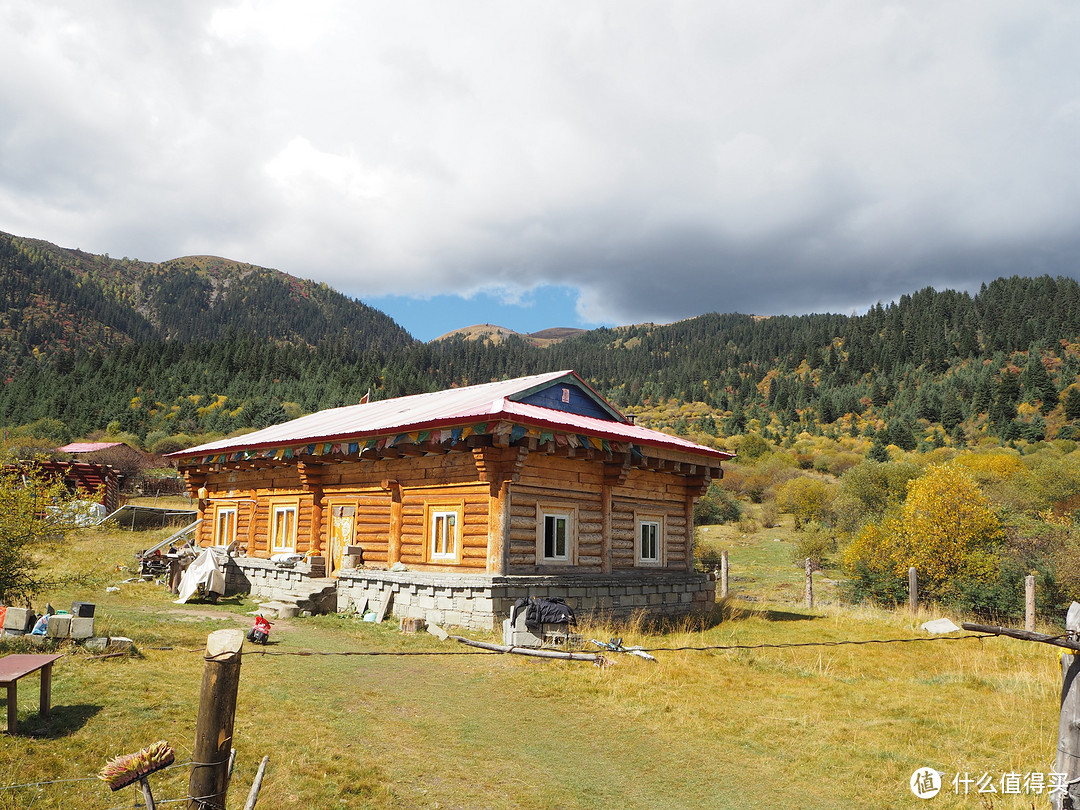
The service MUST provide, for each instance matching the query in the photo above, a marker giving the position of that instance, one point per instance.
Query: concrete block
(118, 643)
(19, 619)
(58, 627)
(97, 643)
(36, 641)
(82, 627)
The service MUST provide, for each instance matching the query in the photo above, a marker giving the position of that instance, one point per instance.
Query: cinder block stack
(18, 621)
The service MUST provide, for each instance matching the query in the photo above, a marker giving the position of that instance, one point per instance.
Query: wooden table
(13, 667)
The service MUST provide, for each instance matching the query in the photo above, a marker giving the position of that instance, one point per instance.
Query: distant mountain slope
(56, 298)
(203, 345)
(494, 335)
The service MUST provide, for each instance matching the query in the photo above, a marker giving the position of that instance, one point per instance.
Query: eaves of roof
(446, 409)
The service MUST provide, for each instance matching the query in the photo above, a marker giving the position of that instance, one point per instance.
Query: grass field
(816, 727)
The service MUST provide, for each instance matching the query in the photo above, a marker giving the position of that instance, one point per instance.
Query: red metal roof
(88, 447)
(489, 401)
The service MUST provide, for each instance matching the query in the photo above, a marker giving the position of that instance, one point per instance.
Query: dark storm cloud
(665, 159)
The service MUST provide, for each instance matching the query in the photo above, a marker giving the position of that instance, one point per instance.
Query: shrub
(753, 446)
(806, 499)
(770, 514)
(867, 490)
(945, 528)
(815, 542)
(35, 512)
(755, 485)
(718, 505)
(170, 444)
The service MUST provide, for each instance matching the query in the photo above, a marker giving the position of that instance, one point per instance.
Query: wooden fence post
(809, 583)
(913, 590)
(723, 574)
(256, 786)
(1029, 602)
(209, 780)
(1068, 749)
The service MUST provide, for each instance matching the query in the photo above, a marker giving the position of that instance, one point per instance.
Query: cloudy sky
(552, 163)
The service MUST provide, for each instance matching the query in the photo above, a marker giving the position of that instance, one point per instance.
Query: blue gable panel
(569, 398)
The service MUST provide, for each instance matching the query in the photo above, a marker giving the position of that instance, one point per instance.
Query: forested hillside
(1005, 359)
(56, 301)
(200, 347)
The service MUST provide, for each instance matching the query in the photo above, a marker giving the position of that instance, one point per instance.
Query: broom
(127, 769)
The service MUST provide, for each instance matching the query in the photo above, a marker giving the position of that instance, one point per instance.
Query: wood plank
(384, 608)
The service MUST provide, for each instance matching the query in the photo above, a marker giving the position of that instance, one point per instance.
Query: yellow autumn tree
(806, 499)
(946, 528)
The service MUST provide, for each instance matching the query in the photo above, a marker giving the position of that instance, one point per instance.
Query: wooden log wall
(472, 531)
(624, 518)
(373, 527)
(256, 488)
(646, 494)
(578, 483)
(555, 481)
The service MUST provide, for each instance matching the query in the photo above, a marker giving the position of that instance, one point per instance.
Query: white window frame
(444, 516)
(220, 511)
(566, 514)
(657, 522)
(289, 544)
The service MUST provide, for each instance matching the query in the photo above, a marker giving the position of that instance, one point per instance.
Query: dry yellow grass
(828, 727)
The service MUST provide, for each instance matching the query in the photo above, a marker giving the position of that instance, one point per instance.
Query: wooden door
(342, 532)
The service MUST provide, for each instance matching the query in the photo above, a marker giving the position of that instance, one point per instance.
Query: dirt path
(200, 612)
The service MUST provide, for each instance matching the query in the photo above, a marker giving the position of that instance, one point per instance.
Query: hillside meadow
(824, 727)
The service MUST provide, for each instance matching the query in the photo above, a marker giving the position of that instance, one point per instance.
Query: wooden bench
(13, 667)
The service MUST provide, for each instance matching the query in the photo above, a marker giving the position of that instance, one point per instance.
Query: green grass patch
(823, 727)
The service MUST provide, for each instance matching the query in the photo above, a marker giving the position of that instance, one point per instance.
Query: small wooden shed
(100, 481)
(483, 494)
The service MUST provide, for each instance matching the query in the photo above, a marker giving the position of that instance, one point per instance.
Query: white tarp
(940, 626)
(78, 513)
(204, 571)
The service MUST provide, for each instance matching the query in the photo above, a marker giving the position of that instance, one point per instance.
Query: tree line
(197, 348)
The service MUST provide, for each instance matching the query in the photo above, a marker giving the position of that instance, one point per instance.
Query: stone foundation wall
(481, 602)
(264, 578)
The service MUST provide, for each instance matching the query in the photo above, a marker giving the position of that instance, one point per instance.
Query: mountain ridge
(203, 346)
(59, 299)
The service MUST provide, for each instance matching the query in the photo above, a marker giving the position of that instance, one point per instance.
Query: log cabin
(452, 505)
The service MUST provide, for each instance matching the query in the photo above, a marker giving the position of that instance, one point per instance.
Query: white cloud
(664, 158)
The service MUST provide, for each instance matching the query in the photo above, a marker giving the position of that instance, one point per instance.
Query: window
(443, 526)
(283, 529)
(556, 543)
(444, 536)
(648, 550)
(225, 525)
(555, 539)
